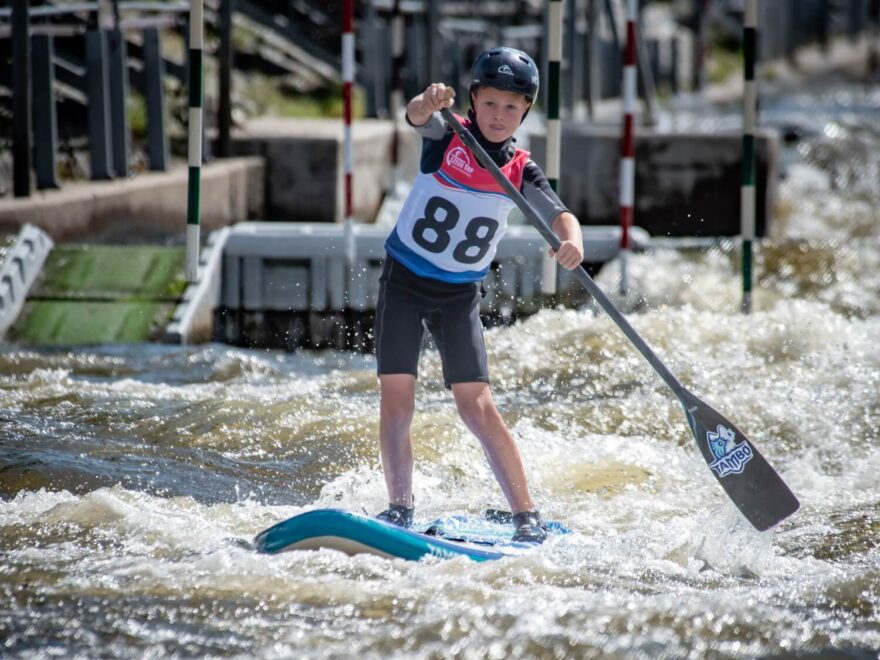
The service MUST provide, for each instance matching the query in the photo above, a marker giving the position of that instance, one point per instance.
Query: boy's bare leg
(398, 393)
(477, 409)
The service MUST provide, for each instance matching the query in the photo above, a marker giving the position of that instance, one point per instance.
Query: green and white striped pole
(194, 188)
(747, 191)
(554, 70)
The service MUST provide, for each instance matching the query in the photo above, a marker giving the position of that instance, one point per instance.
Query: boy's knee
(398, 412)
(477, 412)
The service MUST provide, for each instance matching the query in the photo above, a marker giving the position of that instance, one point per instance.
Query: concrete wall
(304, 165)
(289, 284)
(150, 204)
(686, 184)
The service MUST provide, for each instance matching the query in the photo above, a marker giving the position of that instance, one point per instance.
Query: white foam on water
(656, 547)
(659, 562)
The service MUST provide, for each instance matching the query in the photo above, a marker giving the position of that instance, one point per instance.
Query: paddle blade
(753, 485)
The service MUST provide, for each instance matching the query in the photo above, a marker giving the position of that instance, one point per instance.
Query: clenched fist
(435, 97)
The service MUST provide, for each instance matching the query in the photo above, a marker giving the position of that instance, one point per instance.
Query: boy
(440, 249)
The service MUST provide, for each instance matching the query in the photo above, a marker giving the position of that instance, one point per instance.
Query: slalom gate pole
(347, 149)
(747, 191)
(398, 36)
(554, 94)
(627, 152)
(195, 119)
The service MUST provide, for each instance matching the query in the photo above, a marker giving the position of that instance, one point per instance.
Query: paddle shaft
(746, 476)
(580, 273)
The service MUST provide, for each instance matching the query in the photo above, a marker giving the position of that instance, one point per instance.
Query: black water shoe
(529, 527)
(398, 515)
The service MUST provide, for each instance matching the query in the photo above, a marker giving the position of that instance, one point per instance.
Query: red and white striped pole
(628, 151)
(347, 150)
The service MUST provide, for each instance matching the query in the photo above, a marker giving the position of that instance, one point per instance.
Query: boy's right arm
(422, 107)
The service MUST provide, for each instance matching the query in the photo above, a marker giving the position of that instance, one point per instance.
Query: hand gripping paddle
(747, 478)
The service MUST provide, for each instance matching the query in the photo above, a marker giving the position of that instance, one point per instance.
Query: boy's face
(499, 113)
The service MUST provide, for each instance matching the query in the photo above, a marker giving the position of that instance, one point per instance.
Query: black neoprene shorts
(409, 304)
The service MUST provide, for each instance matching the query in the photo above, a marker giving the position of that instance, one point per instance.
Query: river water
(132, 479)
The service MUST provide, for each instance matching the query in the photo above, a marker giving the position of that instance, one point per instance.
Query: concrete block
(507, 277)
(193, 319)
(277, 273)
(363, 276)
(529, 278)
(686, 184)
(286, 285)
(336, 282)
(318, 284)
(304, 166)
(285, 240)
(252, 276)
(304, 266)
(147, 205)
(230, 288)
(19, 268)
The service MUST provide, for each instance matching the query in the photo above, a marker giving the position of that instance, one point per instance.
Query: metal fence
(81, 57)
(93, 67)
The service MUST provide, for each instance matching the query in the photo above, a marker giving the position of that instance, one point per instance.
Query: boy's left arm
(571, 251)
(565, 225)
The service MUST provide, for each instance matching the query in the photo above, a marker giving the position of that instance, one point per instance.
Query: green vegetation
(67, 322)
(724, 64)
(137, 115)
(102, 294)
(113, 272)
(264, 95)
(725, 57)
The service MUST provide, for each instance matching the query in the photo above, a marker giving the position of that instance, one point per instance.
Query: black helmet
(507, 69)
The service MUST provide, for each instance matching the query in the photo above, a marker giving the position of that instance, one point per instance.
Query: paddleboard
(480, 538)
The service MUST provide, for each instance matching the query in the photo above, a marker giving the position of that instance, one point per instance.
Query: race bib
(454, 218)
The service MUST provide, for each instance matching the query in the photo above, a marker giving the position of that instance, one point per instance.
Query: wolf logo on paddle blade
(730, 457)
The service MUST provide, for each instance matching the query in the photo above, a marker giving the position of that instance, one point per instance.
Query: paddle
(747, 478)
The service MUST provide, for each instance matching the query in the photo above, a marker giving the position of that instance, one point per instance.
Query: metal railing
(104, 80)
